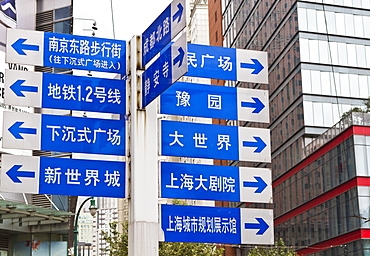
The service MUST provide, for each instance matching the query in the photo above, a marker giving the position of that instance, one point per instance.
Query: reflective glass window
(63, 27)
(63, 13)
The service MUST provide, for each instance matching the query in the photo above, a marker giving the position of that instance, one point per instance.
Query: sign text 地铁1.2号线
(57, 91)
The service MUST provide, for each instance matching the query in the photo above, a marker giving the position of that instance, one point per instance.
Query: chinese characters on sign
(215, 141)
(64, 133)
(66, 51)
(214, 182)
(204, 60)
(81, 93)
(98, 136)
(202, 224)
(88, 53)
(69, 92)
(191, 224)
(188, 181)
(227, 63)
(84, 177)
(200, 182)
(63, 176)
(201, 100)
(164, 71)
(161, 32)
(216, 224)
(165, 27)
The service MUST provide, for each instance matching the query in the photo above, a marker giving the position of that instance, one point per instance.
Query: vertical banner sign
(171, 21)
(66, 51)
(199, 224)
(63, 176)
(48, 90)
(164, 71)
(227, 63)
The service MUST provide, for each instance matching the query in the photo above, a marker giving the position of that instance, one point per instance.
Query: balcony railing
(354, 118)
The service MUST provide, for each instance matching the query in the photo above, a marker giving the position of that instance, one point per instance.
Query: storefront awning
(30, 214)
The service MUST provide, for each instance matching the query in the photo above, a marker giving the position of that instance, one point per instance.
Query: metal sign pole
(142, 157)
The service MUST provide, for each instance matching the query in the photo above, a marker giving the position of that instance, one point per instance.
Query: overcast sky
(131, 17)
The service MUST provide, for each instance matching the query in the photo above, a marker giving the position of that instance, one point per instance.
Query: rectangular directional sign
(48, 90)
(171, 21)
(63, 133)
(200, 224)
(221, 102)
(227, 63)
(215, 182)
(215, 141)
(65, 51)
(62, 176)
(164, 71)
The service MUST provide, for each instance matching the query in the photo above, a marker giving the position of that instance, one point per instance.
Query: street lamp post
(93, 210)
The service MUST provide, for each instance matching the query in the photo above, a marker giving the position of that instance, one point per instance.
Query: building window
(58, 20)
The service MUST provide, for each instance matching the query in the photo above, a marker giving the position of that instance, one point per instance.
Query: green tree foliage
(279, 249)
(188, 249)
(117, 245)
(357, 109)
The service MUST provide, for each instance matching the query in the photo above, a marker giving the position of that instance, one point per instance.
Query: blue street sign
(227, 63)
(214, 182)
(63, 176)
(164, 71)
(222, 102)
(64, 133)
(184, 139)
(166, 26)
(66, 51)
(199, 224)
(56, 91)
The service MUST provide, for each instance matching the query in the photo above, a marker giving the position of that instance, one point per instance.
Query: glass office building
(319, 60)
